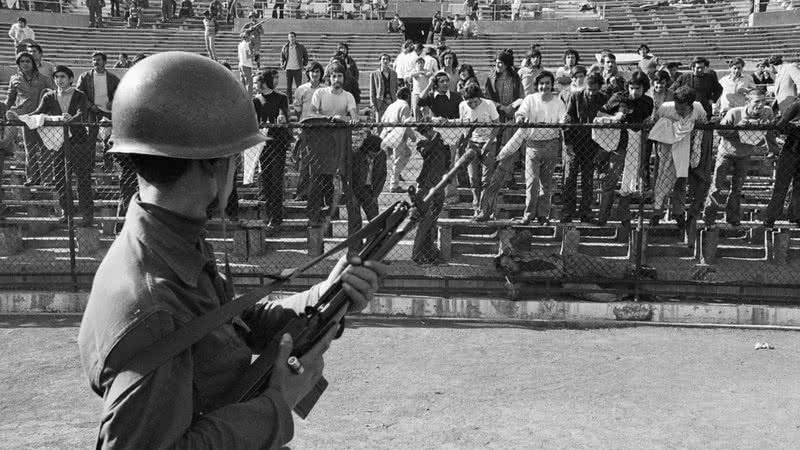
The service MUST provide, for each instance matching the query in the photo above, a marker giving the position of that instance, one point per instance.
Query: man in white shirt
(482, 144)
(735, 87)
(334, 101)
(246, 63)
(787, 79)
(405, 62)
(395, 138)
(20, 33)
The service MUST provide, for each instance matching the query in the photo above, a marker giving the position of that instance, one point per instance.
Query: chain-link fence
(594, 211)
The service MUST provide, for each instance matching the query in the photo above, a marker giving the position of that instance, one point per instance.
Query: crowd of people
(428, 85)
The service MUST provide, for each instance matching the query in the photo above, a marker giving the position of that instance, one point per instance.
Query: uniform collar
(176, 239)
(437, 93)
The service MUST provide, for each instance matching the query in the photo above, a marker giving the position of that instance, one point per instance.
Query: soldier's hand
(295, 384)
(360, 280)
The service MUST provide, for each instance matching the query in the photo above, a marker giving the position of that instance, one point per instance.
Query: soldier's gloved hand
(360, 280)
(294, 385)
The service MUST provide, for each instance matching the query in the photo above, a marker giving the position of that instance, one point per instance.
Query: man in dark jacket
(435, 163)
(99, 85)
(582, 107)
(294, 58)
(70, 104)
(369, 174)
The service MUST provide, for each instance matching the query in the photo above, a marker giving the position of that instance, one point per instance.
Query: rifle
(382, 234)
(308, 328)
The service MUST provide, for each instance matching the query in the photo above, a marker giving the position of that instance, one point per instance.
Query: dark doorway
(417, 29)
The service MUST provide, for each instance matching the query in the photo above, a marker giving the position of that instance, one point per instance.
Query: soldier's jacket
(158, 275)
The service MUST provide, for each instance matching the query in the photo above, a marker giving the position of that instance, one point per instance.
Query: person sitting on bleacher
(396, 25)
(187, 9)
(134, 15)
(215, 9)
(469, 29)
(734, 152)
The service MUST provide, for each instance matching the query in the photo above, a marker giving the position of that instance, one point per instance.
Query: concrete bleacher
(468, 246)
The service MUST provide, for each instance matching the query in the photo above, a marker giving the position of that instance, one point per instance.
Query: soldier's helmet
(182, 105)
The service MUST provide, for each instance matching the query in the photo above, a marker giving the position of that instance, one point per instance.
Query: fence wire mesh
(650, 210)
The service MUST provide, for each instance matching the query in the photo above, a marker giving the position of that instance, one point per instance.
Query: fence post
(639, 235)
(68, 212)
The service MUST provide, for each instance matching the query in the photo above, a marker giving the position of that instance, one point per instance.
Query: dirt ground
(422, 384)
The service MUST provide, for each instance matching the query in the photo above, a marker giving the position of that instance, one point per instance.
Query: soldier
(160, 274)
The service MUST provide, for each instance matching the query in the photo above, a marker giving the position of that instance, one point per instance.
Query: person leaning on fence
(160, 273)
(674, 159)
(621, 162)
(542, 148)
(482, 141)
(302, 110)
(369, 173)
(787, 169)
(734, 152)
(25, 89)
(708, 91)
(735, 87)
(334, 102)
(71, 105)
(383, 85)
(435, 164)
(395, 139)
(272, 107)
(580, 150)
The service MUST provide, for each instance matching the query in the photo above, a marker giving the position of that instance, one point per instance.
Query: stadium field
(427, 384)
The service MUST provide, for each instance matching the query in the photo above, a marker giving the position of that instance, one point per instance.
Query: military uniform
(158, 275)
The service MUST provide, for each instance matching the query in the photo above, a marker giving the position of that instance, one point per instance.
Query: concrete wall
(43, 18)
(775, 18)
(318, 25)
(549, 26)
(379, 26)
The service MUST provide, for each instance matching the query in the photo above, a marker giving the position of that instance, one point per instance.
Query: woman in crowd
(466, 76)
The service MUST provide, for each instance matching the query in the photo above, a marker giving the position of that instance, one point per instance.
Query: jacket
(376, 88)
(302, 55)
(707, 88)
(85, 83)
(491, 91)
(159, 274)
(78, 106)
(581, 109)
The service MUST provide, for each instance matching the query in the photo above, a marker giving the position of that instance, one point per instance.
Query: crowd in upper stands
(428, 84)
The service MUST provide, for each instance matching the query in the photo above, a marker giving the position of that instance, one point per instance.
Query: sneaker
(524, 220)
(398, 190)
(734, 223)
(481, 218)
(543, 220)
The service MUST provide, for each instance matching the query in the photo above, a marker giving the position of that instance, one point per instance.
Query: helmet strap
(230, 291)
